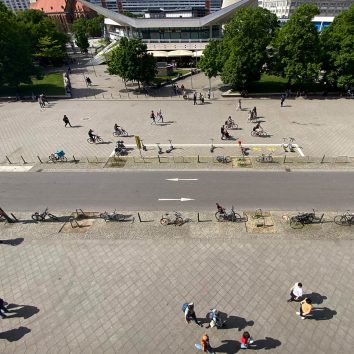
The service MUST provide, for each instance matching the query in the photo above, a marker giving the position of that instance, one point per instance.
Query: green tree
(210, 62)
(82, 41)
(297, 49)
(49, 51)
(40, 29)
(338, 50)
(95, 26)
(244, 46)
(16, 65)
(131, 62)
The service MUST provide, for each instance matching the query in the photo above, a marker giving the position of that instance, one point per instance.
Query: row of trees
(28, 40)
(254, 43)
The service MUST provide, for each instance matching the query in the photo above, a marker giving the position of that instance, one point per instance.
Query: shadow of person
(25, 311)
(322, 313)
(315, 297)
(12, 242)
(15, 334)
(238, 322)
(228, 347)
(267, 343)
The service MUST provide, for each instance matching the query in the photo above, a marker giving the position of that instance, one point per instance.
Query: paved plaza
(319, 126)
(91, 295)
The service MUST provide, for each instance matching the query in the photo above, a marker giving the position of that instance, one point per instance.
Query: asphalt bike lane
(143, 190)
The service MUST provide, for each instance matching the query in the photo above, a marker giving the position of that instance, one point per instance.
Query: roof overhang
(216, 18)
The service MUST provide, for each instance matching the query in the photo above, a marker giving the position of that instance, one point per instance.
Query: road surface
(141, 190)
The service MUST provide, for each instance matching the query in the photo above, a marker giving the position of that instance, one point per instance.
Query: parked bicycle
(114, 216)
(58, 156)
(265, 158)
(346, 219)
(43, 216)
(228, 215)
(223, 159)
(298, 221)
(169, 218)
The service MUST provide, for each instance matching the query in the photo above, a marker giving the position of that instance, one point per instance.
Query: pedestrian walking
(3, 309)
(194, 98)
(246, 340)
(40, 101)
(254, 111)
(88, 81)
(222, 131)
(305, 308)
(209, 93)
(250, 115)
(44, 99)
(282, 99)
(296, 292)
(153, 117)
(189, 313)
(239, 107)
(205, 344)
(159, 116)
(66, 121)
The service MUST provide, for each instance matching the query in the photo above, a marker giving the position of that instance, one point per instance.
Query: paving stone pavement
(319, 126)
(125, 296)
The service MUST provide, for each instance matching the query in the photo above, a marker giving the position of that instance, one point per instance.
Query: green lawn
(163, 78)
(277, 84)
(51, 84)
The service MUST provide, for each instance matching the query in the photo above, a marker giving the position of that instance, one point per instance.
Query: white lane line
(299, 150)
(179, 199)
(181, 179)
(15, 168)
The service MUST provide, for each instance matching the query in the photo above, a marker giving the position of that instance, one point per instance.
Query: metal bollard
(39, 159)
(198, 159)
(323, 158)
(198, 219)
(139, 217)
(284, 159)
(14, 217)
(76, 161)
(23, 160)
(158, 156)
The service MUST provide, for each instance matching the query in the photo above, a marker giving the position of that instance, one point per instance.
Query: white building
(16, 5)
(284, 8)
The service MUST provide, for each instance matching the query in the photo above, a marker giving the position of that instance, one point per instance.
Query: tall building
(16, 5)
(141, 6)
(284, 8)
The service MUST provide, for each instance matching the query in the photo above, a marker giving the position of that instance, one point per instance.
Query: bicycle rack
(80, 214)
(73, 222)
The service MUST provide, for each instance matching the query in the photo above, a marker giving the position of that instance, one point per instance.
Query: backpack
(184, 307)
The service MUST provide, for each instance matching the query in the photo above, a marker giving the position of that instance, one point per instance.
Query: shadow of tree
(15, 334)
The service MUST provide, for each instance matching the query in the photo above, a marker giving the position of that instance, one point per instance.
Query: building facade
(16, 5)
(284, 8)
(142, 6)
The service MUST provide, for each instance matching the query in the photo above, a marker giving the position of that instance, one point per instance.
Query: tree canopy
(244, 45)
(131, 62)
(338, 50)
(297, 49)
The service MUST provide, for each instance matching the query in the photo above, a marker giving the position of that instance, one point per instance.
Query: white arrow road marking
(181, 179)
(180, 199)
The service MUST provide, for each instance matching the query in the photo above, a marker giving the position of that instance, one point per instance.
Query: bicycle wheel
(116, 134)
(51, 158)
(295, 223)
(237, 217)
(341, 220)
(99, 139)
(179, 220)
(104, 216)
(90, 141)
(260, 159)
(219, 216)
(164, 221)
(253, 133)
(36, 217)
(235, 126)
(51, 216)
(124, 133)
(227, 159)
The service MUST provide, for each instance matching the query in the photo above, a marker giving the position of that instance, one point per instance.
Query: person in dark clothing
(66, 121)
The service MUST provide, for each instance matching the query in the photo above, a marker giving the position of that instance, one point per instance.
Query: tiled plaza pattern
(125, 296)
(319, 126)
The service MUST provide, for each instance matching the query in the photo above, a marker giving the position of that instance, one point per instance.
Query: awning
(180, 53)
(158, 53)
(197, 54)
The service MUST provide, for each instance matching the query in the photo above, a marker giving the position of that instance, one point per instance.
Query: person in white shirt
(296, 292)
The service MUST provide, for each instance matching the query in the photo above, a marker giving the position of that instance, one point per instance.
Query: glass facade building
(16, 5)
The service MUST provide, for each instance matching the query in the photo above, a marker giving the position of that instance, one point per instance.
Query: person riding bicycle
(91, 135)
(118, 128)
(221, 209)
(230, 122)
(257, 128)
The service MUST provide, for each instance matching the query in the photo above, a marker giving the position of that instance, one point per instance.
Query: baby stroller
(59, 155)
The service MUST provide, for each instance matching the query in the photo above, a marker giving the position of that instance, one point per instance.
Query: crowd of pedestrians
(246, 341)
